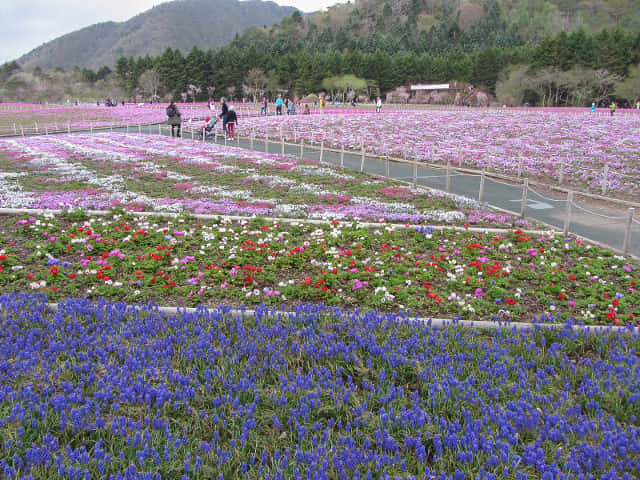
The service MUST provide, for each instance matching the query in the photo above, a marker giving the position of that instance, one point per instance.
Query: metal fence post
(301, 148)
(342, 156)
(321, 150)
(481, 191)
(281, 143)
(362, 160)
(139, 129)
(525, 188)
(415, 175)
(448, 176)
(251, 141)
(519, 167)
(266, 144)
(567, 218)
(627, 235)
(605, 174)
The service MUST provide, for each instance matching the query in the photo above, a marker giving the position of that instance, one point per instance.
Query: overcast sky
(27, 24)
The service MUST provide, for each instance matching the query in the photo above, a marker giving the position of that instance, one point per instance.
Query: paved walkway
(602, 225)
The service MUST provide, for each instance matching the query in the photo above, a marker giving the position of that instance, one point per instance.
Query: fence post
(519, 167)
(225, 140)
(460, 159)
(525, 188)
(251, 141)
(627, 235)
(36, 127)
(561, 179)
(415, 175)
(91, 129)
(301, 148)
(605, 174)
(321, 150)
(140, 129)
(266, 143)
(192, 134)
(46, 130)
(127, 128)
(362, 160)
(159, 129)
(68, 127)
(567, 218)
(481, 191)
(281, 143)
(342, 157)
(21, 131)
(448, 176)
(387, 165)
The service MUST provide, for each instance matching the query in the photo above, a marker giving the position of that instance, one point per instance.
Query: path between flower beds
(433, 322)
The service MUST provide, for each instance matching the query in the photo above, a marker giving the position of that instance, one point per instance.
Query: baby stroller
(208, 128)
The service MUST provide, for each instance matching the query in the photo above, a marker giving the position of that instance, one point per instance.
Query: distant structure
(452, 93)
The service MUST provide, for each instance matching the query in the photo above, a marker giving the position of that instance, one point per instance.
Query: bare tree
(150, 82)
(629, 89)
(256, 83)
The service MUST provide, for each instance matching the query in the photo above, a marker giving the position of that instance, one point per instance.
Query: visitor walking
(263, 108)
(223, 114)
(232, 121)
(593, 106)
(173, 119)
(279, 103)
(612, 107)
(379, 105)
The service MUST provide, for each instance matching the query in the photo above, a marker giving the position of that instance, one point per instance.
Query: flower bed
(432, 272)
(146, 172)
(17, 119)
(120, 392)
(544, 143)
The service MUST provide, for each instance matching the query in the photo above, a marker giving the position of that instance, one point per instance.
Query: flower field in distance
(545, 143)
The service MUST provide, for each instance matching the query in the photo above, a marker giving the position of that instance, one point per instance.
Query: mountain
(528, 20)
(181, 24)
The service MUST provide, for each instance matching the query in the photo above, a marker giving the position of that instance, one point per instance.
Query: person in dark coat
(173, 115)
(232, 121)
(223, 114)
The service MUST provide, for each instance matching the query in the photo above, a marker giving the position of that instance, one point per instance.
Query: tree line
(253, 64)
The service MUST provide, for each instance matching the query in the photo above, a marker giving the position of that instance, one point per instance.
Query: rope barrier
(562, 200)
(597, 214)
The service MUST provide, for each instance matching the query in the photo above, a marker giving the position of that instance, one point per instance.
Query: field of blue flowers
(129, 392)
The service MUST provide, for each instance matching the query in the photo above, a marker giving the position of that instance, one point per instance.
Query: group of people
(283, 103)
(228, 115)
